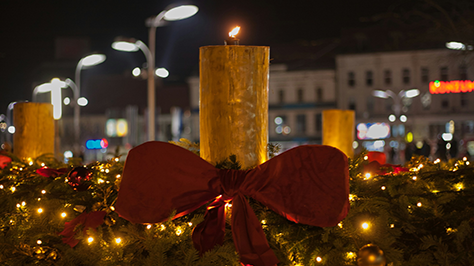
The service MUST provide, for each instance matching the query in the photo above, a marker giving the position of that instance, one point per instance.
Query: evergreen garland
(423, 216)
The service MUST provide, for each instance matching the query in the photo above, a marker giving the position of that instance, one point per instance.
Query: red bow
(90, 220)
(308, 184)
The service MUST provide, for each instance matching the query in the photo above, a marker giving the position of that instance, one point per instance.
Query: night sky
(29, 29)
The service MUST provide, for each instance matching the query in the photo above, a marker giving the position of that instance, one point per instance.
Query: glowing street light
(171, 13)
(397, 98)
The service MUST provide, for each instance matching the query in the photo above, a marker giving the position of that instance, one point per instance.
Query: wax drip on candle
(232, 40)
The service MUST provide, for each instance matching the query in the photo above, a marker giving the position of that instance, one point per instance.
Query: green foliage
(420, 217)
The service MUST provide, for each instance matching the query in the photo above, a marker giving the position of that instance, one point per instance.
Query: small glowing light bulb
(43, 191)
(112, 208)
(118, 240)
(419, 204)
(366, 157)
(414, 178)
(179, 231)
(42, 164)
(392, 226)
(40, 210)
(148, 226)
(1, 186)
(467, 163)
(437, 161)
(23, 203)
(63, 214)
(13, 189)
(264, 222)
(39, 242)
(107, 170)
(319, 259)
(340, 225)
(117, 159)
(90, 239)
(100, 181)
(162, 227)
(383, 188)
(117, 176)
(190, 224)
(30, 163)
(18, 205)
(367, 176)
(464, 158)
(365, 226)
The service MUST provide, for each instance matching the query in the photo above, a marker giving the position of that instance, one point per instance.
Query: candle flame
(234, 32)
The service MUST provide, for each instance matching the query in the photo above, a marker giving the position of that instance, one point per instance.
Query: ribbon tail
(211, 231)
(249, 238)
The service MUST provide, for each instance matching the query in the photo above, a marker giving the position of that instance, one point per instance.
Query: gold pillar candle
(233, 110)
(34, 129)
(338, 130)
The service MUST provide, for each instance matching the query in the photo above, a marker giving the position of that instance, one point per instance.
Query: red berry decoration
(78, 178)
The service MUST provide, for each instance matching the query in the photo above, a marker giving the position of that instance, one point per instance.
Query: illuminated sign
(373, 130)
(116, 127)
(96, 144)
(454, 86)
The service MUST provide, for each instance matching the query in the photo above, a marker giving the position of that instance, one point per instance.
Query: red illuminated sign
(454, 86)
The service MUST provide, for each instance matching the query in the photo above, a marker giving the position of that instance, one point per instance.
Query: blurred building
(415, 122)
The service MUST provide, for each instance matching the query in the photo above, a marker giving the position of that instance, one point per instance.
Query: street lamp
(88, 61)
(397, 98)
(171, 13)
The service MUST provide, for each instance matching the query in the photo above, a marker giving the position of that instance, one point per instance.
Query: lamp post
(171, 13)
(397, 98)
(88, 61)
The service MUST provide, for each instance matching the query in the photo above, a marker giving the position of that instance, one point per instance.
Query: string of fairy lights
(106, 179)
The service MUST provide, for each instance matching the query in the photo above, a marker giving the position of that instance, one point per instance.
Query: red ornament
(78, 178)
(380, 157)
(49, 172)
(308, 184)
(4, 161)
(87, 220)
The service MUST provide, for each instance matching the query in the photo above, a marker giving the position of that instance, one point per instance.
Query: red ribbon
(308, 184)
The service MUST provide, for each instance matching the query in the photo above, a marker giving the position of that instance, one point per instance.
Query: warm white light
(13, 189)
(82, 101)
(383, 188)
(355, 144)
(403, 118)
(437, 161)
(181, 12)
(319, 259)
(63, 214)
(11, 129)
(23, 203)
(464, 158)
(148, 226)
(392, 226)
(68, 154)
(190, 224)
(90, 239)
(179, 231)
(264, 221)
(366, 157)
(66, 101)
(162, 72)
(125, 46)
(93, 59)
(419, 204)
(1, 186)
(100, 181)
(340, 225)
(367, 176)
(365, 226)
(447, 136)
(136, 72)
(414, 178)
(455, 46)
(118, 240)
(117, 176)
(40, 210)
(56, 101)
(392, 118)
(39, 242)
(412, 93)
(234, 31)
(43, 191)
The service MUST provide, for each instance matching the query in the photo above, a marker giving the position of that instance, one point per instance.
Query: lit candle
(233, 110)
(232, 40)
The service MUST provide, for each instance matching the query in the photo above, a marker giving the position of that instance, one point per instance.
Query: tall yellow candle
(338, 130)
(34, 129)
(233, 109)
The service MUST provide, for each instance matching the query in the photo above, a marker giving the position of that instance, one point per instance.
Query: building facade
(421, 119)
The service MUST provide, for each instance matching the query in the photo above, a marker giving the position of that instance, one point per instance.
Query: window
(387, 77)
(318, 122)
(463, 72)
(369, 78)
(443, 73)
(370, 104)
(319, 95)
(464, 100)
(352, 104)
(406, 76)
(299, 95)
(424, 74)
(281, 96)
(351, 79)
(301, 123)
(445, 103)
